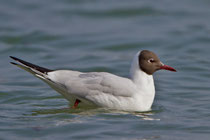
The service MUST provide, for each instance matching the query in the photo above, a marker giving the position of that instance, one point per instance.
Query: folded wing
(98, 87)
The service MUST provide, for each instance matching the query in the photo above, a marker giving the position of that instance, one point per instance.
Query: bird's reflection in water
(92, 111)
(68, 116)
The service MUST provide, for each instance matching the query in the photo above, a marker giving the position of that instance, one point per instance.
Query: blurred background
(104, 35)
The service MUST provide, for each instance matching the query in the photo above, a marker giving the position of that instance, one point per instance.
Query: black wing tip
(15, 58)
(41, 69)
(13, 63)
(12, 57)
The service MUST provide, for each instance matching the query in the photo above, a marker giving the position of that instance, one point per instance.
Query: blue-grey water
(104, 35)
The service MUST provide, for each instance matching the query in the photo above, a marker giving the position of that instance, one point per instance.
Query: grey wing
(98, 88)
(90, 84)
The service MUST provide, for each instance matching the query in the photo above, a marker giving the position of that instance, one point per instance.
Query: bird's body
(100, 88)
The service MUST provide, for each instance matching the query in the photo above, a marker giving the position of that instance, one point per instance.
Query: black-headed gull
(104, 89)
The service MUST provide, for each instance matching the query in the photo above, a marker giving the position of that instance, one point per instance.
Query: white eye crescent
(151, 60)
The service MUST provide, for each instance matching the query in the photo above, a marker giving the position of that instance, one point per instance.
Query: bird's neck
(142, 79)
(139, 77)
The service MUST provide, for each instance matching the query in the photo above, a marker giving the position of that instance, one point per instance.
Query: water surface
(90, 35)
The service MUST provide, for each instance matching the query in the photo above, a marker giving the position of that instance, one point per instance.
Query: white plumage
(101, 88)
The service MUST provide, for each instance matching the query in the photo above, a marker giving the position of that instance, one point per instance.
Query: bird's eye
(151, 60)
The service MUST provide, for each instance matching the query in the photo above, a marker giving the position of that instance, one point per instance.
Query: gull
(103, 89)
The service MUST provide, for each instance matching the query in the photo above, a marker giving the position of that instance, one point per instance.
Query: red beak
(166, 67)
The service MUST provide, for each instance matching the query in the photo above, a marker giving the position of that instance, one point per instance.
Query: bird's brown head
(150, 63)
